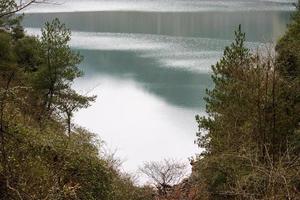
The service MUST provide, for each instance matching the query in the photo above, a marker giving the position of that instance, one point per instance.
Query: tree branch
(21, 7)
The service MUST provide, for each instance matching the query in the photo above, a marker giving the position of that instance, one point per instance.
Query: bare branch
(164, 173)
(21, 6)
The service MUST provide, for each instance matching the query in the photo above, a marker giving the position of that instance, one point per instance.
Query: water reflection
(178, 87)
(259, 25)
(141, 126)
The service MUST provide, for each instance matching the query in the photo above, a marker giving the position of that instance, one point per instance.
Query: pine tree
(60, 64)
(228, 79)
(249, 134)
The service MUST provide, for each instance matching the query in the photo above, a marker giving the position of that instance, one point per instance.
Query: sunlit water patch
(192, 54)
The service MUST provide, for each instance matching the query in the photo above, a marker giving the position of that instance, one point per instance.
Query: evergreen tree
(249, 135)
(60, 64)
(228, 77)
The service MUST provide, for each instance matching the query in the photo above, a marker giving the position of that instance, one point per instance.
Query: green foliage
(250, 132)
(288, 64)
(5, 49)
(227, 76)
(60, 63)
(288, 48)
(7, 6)
(29, 53)
(7, 18)
(69, 102)
(53, 165)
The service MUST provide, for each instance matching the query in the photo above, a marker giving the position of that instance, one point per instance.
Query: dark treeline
(251, 135)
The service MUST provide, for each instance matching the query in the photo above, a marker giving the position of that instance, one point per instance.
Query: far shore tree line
(251, 134)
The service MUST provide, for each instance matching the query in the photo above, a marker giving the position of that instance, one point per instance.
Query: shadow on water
(178, 87)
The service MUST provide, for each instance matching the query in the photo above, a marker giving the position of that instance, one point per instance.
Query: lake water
(149, 63)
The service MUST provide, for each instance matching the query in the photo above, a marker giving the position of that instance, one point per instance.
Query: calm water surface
(149, 63)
